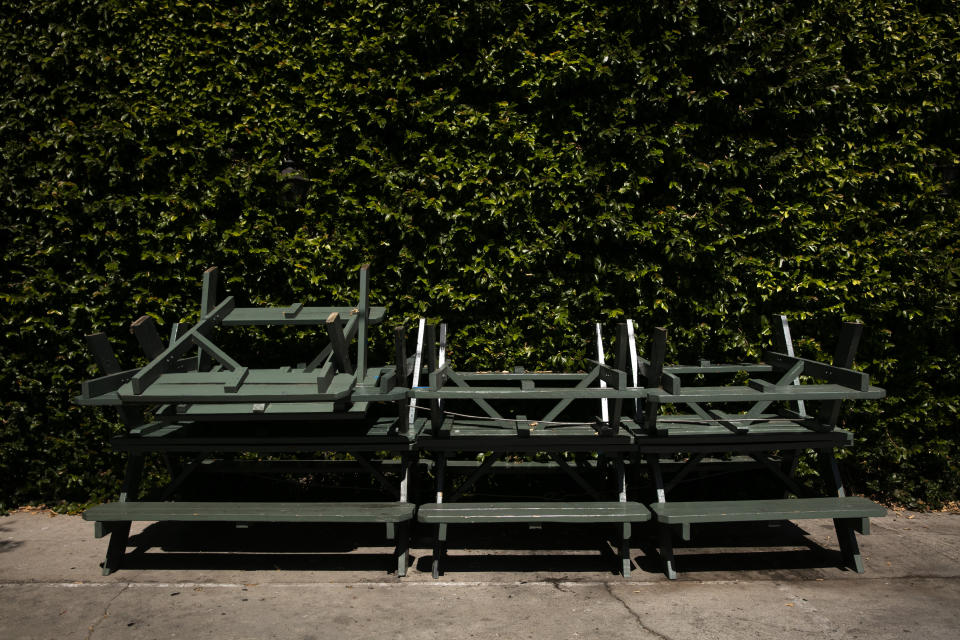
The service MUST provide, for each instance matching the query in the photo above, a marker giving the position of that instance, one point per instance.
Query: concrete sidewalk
(305, 581)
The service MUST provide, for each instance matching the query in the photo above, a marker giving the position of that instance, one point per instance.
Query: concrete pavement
(305, 581)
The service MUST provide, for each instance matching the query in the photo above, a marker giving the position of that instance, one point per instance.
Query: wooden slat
(252, 390)
(509, 377)
(453, 512)
(212, 412)
(658, 352)
(363, 311)
(782, 392)
(251, 512)
(856, 380)
(707, 368)
(269, 316)
(145, 330)
(99, 345)
(754, 510)
(338, 343)
(494, 393)
(255, 376)
(105, 384)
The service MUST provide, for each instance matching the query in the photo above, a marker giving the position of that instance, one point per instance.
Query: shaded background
(520, 170)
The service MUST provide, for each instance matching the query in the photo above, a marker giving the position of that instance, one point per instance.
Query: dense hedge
(519, 169)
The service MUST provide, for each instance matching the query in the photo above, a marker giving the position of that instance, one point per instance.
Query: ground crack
(106, 612)
(557, 584)
(633, 613)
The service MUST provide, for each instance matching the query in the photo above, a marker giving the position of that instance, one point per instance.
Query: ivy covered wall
(518, 169)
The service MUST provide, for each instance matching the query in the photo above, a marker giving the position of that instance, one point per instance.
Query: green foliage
(519, 169)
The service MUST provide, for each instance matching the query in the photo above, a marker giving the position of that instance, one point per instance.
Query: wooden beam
(145, 330)
(363, 311)
(341, 356)
(149, 373)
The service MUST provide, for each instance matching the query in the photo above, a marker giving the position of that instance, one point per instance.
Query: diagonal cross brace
(478, 473)
(483, 404)
(159, 365)
(792, 376)
(583, 384)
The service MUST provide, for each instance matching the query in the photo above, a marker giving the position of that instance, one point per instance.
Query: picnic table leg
(666, 542)
(846, 534)
(120, 531)
(403, 548)
(441, 537)
(625, 534)
(403, 533)
(625, 529)
(439, 546)
(666, 551)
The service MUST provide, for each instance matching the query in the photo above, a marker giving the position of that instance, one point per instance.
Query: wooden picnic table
(208, 408)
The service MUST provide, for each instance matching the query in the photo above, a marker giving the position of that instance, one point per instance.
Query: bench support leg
(845, 527)
(666, 551)
(666, 543)
(625, 533)
(120, 531)
(403, 548)
(439, 545)
(848, 544)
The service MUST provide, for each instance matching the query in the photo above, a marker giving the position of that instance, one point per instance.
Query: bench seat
(587, 512)
(849, 513)
(622, 513)
(251, 512)
(686, 513)
(117, 516)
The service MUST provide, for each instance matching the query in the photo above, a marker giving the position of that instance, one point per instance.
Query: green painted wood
(292, 311)
(107, 385)
(708, 368)
(589, 512)
(251, 512)
(210, 350)
(839, 375)
(363, 311)
(156, 367)
(103, 354)
(658, 350)
(282, 375)
(338, 343)
(150, 428)
(512, 377)
(691, 430)
(299, 389)
(239, 376)
(754, 510)
(215, 412)
(260, 316)
(502, 393)
(145, 330)
(782, 392)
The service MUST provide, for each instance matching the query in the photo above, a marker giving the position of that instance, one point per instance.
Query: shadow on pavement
(8, 545)
(476, 548)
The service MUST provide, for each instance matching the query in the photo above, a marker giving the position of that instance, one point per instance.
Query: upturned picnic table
(788, 406)
(207, 408)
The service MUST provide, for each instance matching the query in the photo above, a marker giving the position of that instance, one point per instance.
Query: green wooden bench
(849, 513)
(442, 514)
(115, 516)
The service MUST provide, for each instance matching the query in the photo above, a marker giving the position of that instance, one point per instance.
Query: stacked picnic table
(636, 418)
